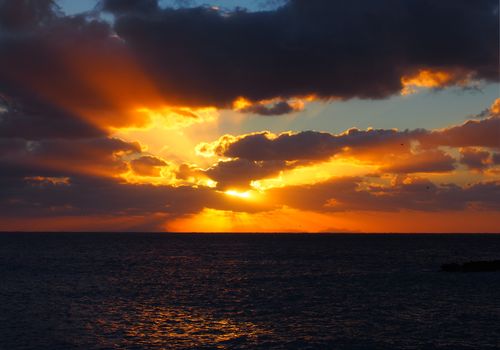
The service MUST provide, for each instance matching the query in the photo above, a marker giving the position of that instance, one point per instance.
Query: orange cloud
(48, 180)
(431, 78)
(476, 158)
(427, 161)
(91, 82)
(495, 108)
(148, 166)
(93, 76)
(276, 106)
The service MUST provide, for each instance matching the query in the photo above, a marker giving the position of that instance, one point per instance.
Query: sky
(73, 7)
(250, 116)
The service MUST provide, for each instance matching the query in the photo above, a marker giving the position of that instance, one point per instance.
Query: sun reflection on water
(180, 327)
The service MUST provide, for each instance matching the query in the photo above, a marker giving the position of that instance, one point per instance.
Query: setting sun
(249, 174)
(125, 109)
(243, 195)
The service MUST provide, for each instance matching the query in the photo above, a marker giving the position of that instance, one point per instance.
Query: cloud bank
(68, 83)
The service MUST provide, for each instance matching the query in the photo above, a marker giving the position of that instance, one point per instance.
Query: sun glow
(278, 220)
(243, 195)
(315, 173)
(178, 118)
(241, 103)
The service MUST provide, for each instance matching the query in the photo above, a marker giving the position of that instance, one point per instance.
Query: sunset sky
(250, 116)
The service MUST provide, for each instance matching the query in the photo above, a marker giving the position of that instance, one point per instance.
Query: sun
(243, 195)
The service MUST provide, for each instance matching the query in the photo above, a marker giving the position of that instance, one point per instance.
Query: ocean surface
(231, 291)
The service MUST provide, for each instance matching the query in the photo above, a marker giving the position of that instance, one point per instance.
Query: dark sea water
(163, 291)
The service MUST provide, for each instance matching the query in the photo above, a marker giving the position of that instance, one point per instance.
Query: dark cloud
(42, 121)
(475, 159)
(473, 133)
(88, 195)
(434, 161)
(201, 56)
(16, 15)
(42, 95)
(343, 194)
(60, 157)
(312, 145)
(147, 166)
(77, 70)
(81, 196)
(70, 73)
(391, 151)
(237, 174)
(11, 146)
(382, 145)
(496, 158)
(278, 108)
(397, 152)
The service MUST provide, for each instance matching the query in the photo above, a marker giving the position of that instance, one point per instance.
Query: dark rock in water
(472, 266)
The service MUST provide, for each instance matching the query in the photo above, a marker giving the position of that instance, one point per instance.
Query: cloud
(207, 57)
(83, 73)
(495, 108)
(475, 159)
(237, 174)
(147, 166)
(68, 83)
(72, 73)
(435, 79)
(473, 133)
(496, 158)
(111, 197)
(60, 157)
(492, 111)
(35, 121)
(406, 193)
(306, 145)
(277, 108)
(23, 15)
(426, 161)
(392, 151)
(396, 151)
(89, 196)
(187, 171)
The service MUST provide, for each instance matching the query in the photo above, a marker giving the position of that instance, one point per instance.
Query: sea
(246, 291)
